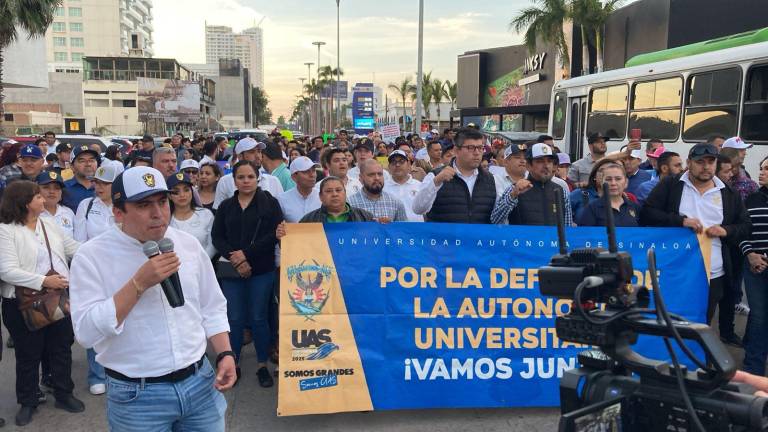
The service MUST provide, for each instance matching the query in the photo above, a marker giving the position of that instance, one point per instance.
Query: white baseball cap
(540, 150)
(189, 163)
(248, 143)
(302, 163)
(737, 143)
(637, 154)
(137, 183)
(397, 153)
(108, 171)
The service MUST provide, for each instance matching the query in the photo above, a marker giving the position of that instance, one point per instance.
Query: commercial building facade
(247, 46)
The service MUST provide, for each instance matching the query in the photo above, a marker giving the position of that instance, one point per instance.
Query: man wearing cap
(669, 164)
(191, 168)
(147, 144)
(247, 149)
(402, 185)
(531, 201)
(697, 199)
(563, 165)
(84, 163)
(51, 186)
(363, 151)
(580, 170)
(63, 161)
(158, 379)
(383, 206)
(272, 161)
(738, 144)
(635, 176)
(652, 153)
(461, 191)
(304, 198)
(27, 167)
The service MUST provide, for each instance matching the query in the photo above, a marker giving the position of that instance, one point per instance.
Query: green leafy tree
(451, 92)
(32, 16)
(402, 89)
(261, 112)
(544, 21)
(438, 93)
(426, 92)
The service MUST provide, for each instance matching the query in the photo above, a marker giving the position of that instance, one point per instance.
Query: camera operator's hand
(521, 186)
(757, 263)
(693, 224)
(716, 231)
(758, 382)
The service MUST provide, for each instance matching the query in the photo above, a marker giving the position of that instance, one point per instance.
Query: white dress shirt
(352, 186)
(99, 220)
(64, 218)
(154, 339)
(424, 199)
(295, 205)
(199, 225)
(708, 209)
(226, 187)
(405, 192)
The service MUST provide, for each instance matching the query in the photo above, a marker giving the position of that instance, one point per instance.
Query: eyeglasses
(190, 171)
(472, 148)
(397, 162)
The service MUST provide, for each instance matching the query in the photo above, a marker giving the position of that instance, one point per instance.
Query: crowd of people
(234, 198)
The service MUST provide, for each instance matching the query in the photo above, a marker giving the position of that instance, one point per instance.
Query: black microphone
(166, 245)
(152, 249)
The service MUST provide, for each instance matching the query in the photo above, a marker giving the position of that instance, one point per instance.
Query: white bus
(687, 99)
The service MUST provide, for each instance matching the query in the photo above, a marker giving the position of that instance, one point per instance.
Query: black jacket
(320, 215)
(454, 204)
(252, 230)
(662, 208)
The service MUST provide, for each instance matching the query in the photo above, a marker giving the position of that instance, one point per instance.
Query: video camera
(617, 389)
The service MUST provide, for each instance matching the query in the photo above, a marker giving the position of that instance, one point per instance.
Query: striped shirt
(386, 206)
(757, 207)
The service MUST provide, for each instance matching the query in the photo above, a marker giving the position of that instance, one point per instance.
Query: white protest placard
(389, 132)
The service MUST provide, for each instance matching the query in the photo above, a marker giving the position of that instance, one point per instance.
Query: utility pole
(311, 97)
(320, 122)
(301, 93)
(417, 120)
(338, 64)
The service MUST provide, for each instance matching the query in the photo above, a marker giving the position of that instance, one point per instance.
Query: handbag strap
(47, 244)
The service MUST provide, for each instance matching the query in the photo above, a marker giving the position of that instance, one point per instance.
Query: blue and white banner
(406, 315)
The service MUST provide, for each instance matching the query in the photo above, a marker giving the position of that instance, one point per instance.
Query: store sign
(530, 79)
(534, 63)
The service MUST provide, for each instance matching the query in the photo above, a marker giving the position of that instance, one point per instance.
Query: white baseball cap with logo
(737, 143)
(137, 183)
(189, 164)
(108, 171)
(302, 163)
(540, 150)
(248, 143)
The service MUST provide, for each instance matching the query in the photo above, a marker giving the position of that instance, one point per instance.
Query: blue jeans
(96, 373)
(192, 405)
(248, 304)
(756, 334)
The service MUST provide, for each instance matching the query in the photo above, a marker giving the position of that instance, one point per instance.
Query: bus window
(559, 107)
(608, 112)
(711, 106)
(656, 108)
(754, 125)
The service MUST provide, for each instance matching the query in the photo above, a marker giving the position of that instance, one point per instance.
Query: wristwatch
(224, 354)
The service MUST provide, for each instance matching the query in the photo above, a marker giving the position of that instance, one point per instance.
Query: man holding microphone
(158, 377)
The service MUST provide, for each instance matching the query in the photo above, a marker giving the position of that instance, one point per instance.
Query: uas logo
(311, 292)
(312, 344)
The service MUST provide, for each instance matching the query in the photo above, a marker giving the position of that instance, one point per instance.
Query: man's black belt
(175, 376)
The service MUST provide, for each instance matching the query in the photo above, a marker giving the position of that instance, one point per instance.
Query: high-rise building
(248, 47)
(98, 28)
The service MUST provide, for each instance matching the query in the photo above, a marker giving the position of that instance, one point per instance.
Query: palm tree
(329, 76)
(545, 22)
(438, 93)
(582, 12)
(452, 92)
(402, 89)
(32, 16)
(313, 90)
(602, 12)
(426, 92)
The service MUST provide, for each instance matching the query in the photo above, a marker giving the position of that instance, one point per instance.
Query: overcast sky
(378, 38)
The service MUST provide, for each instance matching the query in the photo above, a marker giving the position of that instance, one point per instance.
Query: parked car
(77, 140)
(257, 134)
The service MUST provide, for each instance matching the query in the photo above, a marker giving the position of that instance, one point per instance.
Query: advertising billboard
(340, 93)
(173, 101)
(363, 114)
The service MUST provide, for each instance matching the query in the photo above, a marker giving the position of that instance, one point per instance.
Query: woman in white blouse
(186, 215)
(94, 215)
(51, 187)
(24, 262)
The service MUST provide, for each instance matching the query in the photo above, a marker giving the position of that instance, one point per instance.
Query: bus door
(578, 116)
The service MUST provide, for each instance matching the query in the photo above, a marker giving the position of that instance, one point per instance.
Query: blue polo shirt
(74, 192)
(628, 214)
(636, 180)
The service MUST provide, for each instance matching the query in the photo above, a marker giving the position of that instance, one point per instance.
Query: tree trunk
(2, 96)
(565, 60)
(404, 124)
(584, 52)
(599, 47)
(438, 115)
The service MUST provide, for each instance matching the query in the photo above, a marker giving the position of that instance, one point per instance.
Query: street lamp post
(417, 122)
(338, 64)
(320, 123)
(311, 96)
